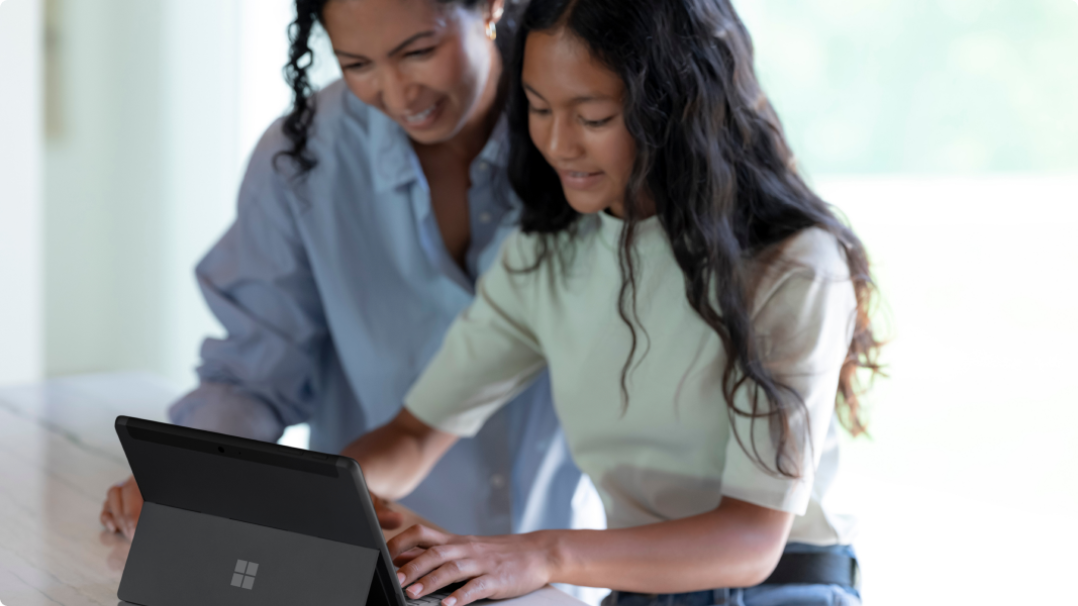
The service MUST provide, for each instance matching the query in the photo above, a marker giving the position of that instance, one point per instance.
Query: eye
(537, 111)
(596, 123)
(358, 65)
(422, 52)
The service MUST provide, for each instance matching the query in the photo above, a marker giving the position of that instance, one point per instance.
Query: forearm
(736, 545)
(396, 457)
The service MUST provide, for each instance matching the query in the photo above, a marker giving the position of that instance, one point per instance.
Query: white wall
(21, 134)
(964, 484)
(104, 217)
(160, 104)
(200, 83)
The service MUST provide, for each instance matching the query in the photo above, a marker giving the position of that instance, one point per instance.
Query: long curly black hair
(297, 124)
(712, 156)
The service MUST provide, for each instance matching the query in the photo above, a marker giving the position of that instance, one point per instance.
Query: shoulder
(816, 251)
(520, 250)
(550, 252)
(342, 124)
(803, 262)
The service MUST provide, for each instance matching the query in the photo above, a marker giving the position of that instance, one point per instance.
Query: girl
(702, 314)
(364, 218)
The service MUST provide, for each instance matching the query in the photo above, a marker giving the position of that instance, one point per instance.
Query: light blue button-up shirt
(336, 290)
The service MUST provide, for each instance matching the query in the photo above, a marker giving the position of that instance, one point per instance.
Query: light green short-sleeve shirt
(670, 453)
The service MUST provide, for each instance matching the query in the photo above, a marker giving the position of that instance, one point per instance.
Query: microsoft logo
(245, 574)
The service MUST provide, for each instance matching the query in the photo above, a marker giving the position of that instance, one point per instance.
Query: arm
(803, 321)
(397, 456)
(735, 545)
(264, 375)
(257, 280)
(488, 356)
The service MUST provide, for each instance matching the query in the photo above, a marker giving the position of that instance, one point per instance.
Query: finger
(479, 588)
(407, 556)
(114, 503)
(132, 504)
(388, 519)
(450, 572)
(416, 536)
(106, 518)
(430, 559)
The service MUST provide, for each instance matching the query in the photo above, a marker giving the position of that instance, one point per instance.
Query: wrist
(557, 553)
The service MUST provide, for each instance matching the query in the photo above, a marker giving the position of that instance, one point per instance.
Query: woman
(363, 220)
(702, 314)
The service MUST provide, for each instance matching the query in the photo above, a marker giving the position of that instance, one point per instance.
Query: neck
(471, 139)
(645, 208)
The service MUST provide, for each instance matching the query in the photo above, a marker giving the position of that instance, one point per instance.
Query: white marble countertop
(58, 455)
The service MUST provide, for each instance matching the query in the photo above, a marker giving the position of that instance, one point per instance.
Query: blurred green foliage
(922, 86)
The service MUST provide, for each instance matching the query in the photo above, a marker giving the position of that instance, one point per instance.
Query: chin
(430, 136)
(444, 129)
(587, 205)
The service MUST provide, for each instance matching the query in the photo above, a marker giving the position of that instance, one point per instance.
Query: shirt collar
(648, 233)
(393, 161)
(496, 151)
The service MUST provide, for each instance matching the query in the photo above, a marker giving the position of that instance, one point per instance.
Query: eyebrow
(574, 100)
(396, 49)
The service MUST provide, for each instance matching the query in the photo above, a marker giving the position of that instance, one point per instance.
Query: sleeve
(489, 355)
(264, 374)
(804, 322)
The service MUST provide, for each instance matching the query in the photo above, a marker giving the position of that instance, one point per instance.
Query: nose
(564, 141)
(396, 90)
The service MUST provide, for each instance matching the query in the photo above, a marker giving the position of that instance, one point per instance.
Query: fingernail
(449, 601)
(400, 578)
(415, 589)
(110, 526)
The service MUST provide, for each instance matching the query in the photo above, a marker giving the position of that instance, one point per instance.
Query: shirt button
(485, 217)
(497, 480)
(483, 166)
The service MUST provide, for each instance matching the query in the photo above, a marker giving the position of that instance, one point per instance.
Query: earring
(492, 32)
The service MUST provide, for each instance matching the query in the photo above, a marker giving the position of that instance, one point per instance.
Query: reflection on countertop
(58, 456)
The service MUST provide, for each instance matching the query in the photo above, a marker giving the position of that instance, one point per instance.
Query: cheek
(538, 133)
(448, 72)
(617, 151)
(362, 86)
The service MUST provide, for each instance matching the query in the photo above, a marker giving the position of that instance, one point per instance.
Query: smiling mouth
(579, 174)
(421, 116)
(580, 180)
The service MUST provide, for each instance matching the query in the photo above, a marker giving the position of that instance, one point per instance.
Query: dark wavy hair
(712, 157)
(298, 123)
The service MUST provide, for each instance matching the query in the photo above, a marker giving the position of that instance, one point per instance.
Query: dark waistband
(800, 564)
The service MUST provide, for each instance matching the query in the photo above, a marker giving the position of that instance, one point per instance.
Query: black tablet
(230, 521)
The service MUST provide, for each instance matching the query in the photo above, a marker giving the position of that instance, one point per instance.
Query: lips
(576, 179)
(423, 118)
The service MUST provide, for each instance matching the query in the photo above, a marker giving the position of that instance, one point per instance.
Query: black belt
(815, 569)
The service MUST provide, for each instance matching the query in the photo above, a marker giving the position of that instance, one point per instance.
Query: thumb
(389, 519)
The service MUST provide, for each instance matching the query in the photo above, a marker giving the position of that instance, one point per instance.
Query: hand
(387, 518)
(499, 567)
(122, 508)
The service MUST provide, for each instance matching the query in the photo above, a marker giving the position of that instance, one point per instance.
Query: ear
(495, 10)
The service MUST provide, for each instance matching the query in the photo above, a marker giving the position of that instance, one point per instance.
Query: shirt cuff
(225, 409)
(781, 494)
